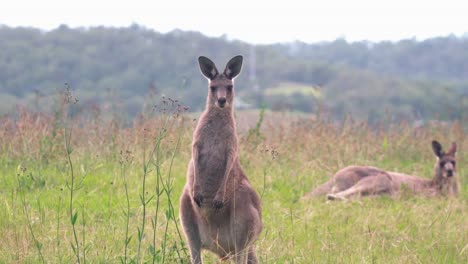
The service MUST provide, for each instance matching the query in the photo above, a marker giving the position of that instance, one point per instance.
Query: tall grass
(21, 182)
(125, 160)
(118, 186)
(68, 101)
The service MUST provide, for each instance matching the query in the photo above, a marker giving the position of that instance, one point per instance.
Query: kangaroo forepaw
(217, 204)
(198, 199)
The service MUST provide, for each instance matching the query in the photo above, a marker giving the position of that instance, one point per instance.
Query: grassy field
(90, 189)
(287, 89)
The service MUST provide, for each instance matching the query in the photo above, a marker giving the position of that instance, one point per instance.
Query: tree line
(119, 67)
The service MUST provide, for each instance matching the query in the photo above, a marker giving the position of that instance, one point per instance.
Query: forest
(118, 69)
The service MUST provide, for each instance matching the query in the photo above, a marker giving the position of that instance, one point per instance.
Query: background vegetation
(116, 67)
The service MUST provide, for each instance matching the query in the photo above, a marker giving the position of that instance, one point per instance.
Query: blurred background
(390, 60)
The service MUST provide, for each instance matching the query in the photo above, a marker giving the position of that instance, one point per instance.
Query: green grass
(290, 88)
(286, 160)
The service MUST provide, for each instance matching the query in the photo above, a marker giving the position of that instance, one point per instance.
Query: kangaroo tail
(320, 191)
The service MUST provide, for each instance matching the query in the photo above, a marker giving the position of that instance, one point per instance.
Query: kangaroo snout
(449, 173)
(221, 101)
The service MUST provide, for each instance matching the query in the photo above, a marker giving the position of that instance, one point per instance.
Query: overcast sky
(254, 21)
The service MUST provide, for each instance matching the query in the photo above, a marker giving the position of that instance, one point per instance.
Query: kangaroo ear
(437, 148)
(233, 67)
(453, 149)
(207, 67)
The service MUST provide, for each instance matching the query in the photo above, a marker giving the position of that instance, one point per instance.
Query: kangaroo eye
(229, 87)
(213, 88)
(442, 164)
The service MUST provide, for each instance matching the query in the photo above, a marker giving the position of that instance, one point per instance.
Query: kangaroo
(219, 209)
(355, 181)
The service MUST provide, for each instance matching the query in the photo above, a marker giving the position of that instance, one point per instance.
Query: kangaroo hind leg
(372, 185)
(190, 226)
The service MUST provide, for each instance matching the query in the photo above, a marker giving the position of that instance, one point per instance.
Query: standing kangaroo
(363, 180)
(219, 209)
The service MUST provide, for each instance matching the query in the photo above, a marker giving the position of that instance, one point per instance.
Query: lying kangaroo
(219, 209)
(363, 180)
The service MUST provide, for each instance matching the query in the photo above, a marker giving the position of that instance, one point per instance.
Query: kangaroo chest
(213, 143)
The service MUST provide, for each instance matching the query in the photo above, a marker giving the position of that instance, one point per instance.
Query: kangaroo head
(446, 163)
(221, 86)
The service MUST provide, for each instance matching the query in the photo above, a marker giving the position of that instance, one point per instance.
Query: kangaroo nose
(450, 173)
(221, 101)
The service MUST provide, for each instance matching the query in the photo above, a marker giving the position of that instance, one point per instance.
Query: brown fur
(355, 181)
(219, 209)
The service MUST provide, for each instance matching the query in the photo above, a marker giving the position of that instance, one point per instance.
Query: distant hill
(118, 67)
(441, 58)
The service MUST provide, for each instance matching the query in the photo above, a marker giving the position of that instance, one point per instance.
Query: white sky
(254, 21)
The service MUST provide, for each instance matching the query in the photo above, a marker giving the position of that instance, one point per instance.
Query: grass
(290, 88)
(120, 221)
